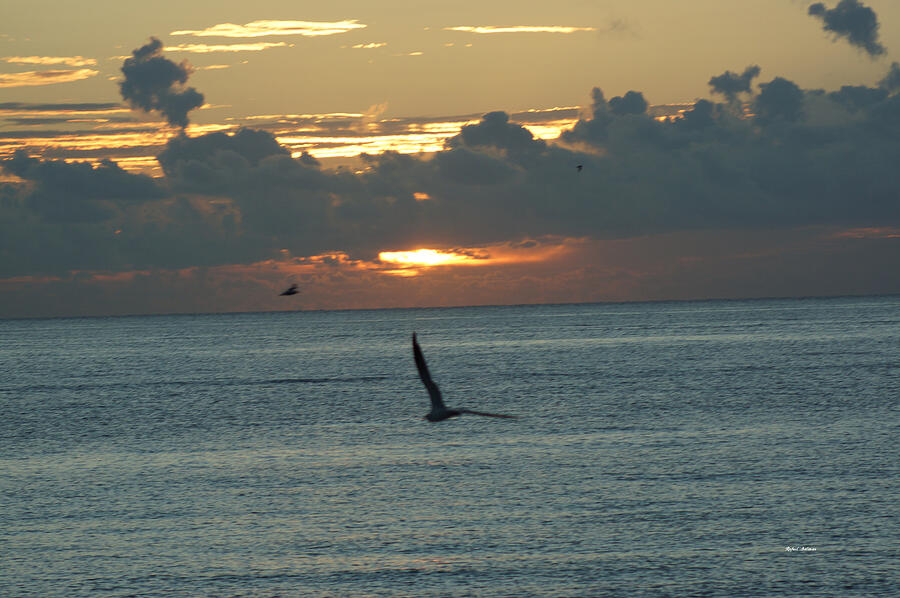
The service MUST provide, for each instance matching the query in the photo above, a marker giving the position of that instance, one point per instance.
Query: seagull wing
(433, 391)
(486, 414)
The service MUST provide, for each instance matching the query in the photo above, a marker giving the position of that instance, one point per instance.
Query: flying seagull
(579, 167)
(291, 291)
(439, 411)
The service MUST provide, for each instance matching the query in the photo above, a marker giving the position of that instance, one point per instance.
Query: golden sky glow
(776, 34)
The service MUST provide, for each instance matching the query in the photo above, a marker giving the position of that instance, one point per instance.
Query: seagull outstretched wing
(438, 411)
(469, 411)
(437, 403)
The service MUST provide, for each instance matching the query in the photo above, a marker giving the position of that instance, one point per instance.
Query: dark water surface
(730, 448)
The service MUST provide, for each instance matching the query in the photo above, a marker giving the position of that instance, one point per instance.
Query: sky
(187, 157)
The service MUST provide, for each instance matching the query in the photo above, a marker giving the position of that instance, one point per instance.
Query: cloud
(106, 114)
(779, 99)
(61, 107)
(731, 84)
(369, 121)
(330, 136)
(802, 159)
(496, 131)
(268, 28)
(369, 46)
(485, 29)
(78, 192)
(891, 81)
(632, 102)
(51, 120)
(708, 169)
(875, 232)
(209, 48)
(50, 60)
(855, 97)
(617, 26)
(155, 83)
(217, 162)
(51, 77)
(852, 20)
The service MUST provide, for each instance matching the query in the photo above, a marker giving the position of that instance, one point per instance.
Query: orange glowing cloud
(209, 48)
(62, 110)
(881, 232)
(266, 28)
(49, 60)
(520, 29)
(34, 78)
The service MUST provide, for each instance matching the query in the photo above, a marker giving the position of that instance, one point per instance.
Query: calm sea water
(732, 448)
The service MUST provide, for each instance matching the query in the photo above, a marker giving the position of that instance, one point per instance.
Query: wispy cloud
(877, 232)
(210, 48)
(50, 60)
(33, 78)
(268, 28)
(370, 46)
(520, 29)
(24, 108)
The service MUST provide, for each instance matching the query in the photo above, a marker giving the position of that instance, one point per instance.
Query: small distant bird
(579, 167)
(292, 290)
(439, 411)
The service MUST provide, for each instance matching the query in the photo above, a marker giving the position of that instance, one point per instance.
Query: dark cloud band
(795, 158)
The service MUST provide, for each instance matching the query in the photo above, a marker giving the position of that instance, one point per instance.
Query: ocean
(709, 448)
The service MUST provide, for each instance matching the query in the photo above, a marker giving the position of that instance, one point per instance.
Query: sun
(424, 257)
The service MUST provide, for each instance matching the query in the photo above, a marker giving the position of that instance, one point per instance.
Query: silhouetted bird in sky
(579, 167)
(439, 411)
(291, 291)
